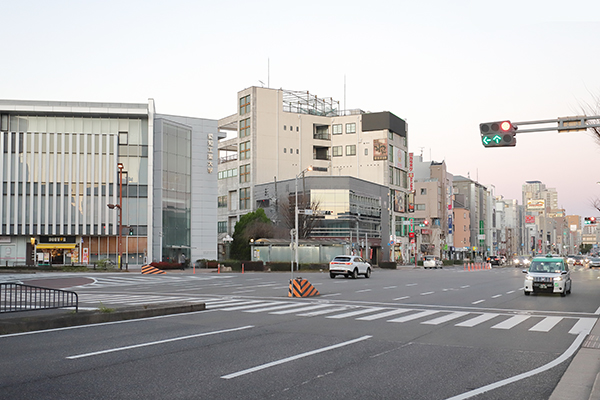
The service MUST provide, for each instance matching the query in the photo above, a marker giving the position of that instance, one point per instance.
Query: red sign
(529, 219)
(411, 234)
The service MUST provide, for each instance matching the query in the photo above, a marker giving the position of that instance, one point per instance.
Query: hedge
(387, 264)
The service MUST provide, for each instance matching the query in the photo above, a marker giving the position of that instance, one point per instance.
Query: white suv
(349, 266)
(548, 275)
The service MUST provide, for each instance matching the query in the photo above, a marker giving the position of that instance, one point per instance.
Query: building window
(321, 132)
(284, 128)
(244, 173)
(423, 191)
(244, 105)
(337, 151)
(222, 201)
(123, 139)
(291, 128)
(420, 207)
(244, 198)
(366, 151)
(291, 151)
(245, 127)
(297, 129)
(222, 226)
(245, 151)
(351, 128)
(297, 151)
(390, 135)
(351, 150)
(285, 150)
(336, 129)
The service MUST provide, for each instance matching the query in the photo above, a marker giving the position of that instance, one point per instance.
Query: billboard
(539, 204)
(399, 201)
(380, 149)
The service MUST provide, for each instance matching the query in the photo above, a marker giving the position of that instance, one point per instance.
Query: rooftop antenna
(262, 83)
(345, 93)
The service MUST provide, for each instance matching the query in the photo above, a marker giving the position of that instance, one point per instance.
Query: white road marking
(411, 284)
(296, 357)
(477, 320)
(364, 290)
(384, 314)
(546, 324)
(313, 307)
(426, 293)
(510, 292)
(584, 325)
(390, 287)
(273, 308)
(321, 312)
(563, 357)
(331, 295)
(511, 322)
(496, 296)
(478, 301)
(402, 298)
(135, 346)
(445, 318)
(357, 312)
(414, 316)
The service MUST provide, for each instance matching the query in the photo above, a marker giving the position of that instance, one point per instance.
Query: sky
(443, 66)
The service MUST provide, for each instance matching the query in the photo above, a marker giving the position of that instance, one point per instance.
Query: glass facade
(59, 174)
(176, 192)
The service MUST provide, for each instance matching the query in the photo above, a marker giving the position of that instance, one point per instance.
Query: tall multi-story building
(279, 134)
(75, 173)
(433, 202)
(461, 227)
(477, 201)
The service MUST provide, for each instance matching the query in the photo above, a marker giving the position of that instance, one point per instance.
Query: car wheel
(563, 294)
(355, 273)
(570, 285)
(331, 275)
(368, 273)
(527, 293)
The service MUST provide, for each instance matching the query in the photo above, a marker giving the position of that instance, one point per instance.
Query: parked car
(349, 266)
(594, 262)
(431, 262)
(548, 275)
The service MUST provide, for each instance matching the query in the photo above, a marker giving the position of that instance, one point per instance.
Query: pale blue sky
(444, 66)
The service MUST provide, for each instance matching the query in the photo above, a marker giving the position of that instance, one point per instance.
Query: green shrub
(253, 266)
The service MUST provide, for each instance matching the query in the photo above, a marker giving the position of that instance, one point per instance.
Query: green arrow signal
(497, 138)
(486, 140)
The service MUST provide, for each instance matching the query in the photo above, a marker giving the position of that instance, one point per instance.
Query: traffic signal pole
(503, 133)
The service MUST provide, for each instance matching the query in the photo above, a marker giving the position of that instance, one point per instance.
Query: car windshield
(342, 259)
(546, 266)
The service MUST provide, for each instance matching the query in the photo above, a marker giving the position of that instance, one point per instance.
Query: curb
(53, 321)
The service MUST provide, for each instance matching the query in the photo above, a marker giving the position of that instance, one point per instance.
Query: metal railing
(18, 297)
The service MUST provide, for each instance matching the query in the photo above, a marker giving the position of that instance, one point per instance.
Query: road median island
(52, 319)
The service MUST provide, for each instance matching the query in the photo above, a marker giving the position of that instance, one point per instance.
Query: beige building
(276, 135)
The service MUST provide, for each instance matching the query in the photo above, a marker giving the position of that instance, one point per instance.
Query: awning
(56, 246)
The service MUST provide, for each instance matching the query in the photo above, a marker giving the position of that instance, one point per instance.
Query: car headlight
(529, 277)
(558, 278)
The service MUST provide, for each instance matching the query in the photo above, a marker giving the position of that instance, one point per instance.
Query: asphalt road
(403, 334)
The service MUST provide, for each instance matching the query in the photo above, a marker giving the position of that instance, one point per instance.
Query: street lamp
(119, 208)
(309, 168)
(227, 241)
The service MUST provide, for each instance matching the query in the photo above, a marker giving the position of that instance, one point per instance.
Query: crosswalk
(463, 319)
(137, 280)
(133, 299)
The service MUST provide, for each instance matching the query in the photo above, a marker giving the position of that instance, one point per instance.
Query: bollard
(242, 268)
(218, 268)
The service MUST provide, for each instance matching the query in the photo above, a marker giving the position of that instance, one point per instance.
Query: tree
(306, 222)
(590, 109)
(254, 225)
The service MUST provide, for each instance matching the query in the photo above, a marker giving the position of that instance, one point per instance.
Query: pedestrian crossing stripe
(301, 288)
(547, 323)
(150, 270)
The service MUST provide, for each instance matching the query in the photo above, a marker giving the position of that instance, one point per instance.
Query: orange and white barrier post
(242, 268)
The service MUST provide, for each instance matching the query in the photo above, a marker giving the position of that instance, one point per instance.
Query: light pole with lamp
(297, 233)
(119, 208)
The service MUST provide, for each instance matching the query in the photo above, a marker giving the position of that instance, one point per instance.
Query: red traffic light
(505, 126)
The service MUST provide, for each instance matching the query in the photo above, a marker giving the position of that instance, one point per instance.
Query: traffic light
(498, 134)
(130, 231)
(589, 220)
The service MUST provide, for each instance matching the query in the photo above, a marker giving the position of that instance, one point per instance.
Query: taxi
(549, 274)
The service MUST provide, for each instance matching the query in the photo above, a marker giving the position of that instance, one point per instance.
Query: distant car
(494, 260)
(521, 261)
(431, 262)
(548, 275)
(594, 262)
(578, 260)
(349, 266)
